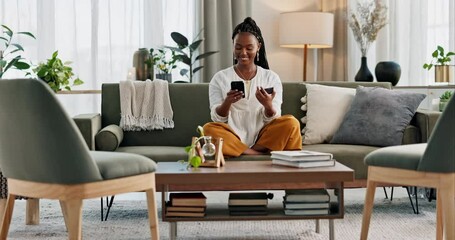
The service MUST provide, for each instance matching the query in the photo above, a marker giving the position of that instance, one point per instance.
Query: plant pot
(364, 74)
(388, 72)
(443, 104)
(164, 76)
(444, 73)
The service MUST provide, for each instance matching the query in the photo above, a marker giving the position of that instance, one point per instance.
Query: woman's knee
(289, 120)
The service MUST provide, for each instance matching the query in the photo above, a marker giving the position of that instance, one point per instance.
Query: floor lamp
(306, 30)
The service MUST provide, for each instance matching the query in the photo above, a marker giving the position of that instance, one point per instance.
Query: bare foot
(250, 151)
(260, 148)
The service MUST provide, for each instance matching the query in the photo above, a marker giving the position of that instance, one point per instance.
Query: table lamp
(306, 30)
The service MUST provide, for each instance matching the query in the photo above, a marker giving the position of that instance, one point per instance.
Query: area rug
(128, 220)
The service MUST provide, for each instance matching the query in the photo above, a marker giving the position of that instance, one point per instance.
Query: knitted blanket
(145, 105)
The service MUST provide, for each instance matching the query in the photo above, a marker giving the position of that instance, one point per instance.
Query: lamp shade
(314, 29)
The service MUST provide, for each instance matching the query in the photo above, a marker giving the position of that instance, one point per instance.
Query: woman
(250, 122)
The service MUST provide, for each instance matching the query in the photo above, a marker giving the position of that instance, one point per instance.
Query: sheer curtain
(414, 29)
(98, 36)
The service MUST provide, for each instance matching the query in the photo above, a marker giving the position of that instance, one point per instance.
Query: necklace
(250, 76)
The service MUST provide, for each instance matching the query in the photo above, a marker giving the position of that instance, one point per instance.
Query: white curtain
(98, 36)
(414, 29)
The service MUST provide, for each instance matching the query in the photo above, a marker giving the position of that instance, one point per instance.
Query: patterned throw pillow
(378, 117)
(325, 108)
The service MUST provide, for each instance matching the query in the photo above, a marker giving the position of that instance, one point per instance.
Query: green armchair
(429, 164)
(43, 155)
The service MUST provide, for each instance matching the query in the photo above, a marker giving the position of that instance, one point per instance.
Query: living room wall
(287, 62)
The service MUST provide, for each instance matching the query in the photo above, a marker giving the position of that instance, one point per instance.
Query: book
(184, 209)
(306, 205)
(306, 211)
(307, 195)
(302, 155)
(196, 199)
(304, 164)
(251, 208)
(248, 199)
(185, 214)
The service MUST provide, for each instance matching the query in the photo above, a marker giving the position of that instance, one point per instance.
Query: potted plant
(57, 74)
(186, 53)
(443, 71)
(10, 57)
(164, 60)
(444, 99)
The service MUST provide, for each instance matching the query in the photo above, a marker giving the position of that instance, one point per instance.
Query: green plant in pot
(163, 59)
(57, 74)
(444, 99)
(443, 71)
(186, 53)
(10, 57)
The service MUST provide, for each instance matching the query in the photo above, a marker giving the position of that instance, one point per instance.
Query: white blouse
(246, 116)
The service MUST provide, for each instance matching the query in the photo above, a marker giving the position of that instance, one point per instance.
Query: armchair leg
(439, 221)
(6, 217)
(153, 213)
(3, 202)
(367, 209)
(32, 212)
(73, 218)
(448, 204)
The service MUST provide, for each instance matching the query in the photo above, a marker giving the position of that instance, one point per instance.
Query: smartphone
(269, 90)
(239, 86)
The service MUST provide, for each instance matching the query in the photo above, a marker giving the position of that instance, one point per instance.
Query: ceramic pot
(443, 104)
(139, 58)
(388, 72)
(364, 74)
(164, 76)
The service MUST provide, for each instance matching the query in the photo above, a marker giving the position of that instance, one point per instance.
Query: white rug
(128, 220)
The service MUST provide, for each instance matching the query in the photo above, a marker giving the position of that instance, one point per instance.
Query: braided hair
(249, 25)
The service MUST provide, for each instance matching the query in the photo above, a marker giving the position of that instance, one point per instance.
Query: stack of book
(306, 202)
(186, 205)
(248, 203)
(302, 159)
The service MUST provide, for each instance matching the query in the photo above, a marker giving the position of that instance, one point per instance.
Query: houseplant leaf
(181, 40)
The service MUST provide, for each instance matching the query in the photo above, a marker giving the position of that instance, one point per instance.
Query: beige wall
(287, 62)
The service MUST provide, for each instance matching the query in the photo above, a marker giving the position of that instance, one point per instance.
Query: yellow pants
(282, 133)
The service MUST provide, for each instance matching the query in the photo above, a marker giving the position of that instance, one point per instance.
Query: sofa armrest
(425, 120)
(89, 125)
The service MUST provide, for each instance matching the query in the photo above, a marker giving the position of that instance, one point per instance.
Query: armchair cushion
(403, 157)
(377, 117)
(109, 138)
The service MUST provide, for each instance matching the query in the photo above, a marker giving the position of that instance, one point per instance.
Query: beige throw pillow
(325, 110)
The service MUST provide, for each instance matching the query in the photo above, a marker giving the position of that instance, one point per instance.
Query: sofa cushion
(403, 157)
(377, 117)
(349, 155)
(325, 109)
(109, 138)
(158, 153)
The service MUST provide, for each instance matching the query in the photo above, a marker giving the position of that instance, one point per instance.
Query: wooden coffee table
(251, 175)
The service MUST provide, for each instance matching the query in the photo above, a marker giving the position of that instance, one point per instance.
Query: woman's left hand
(266, 100)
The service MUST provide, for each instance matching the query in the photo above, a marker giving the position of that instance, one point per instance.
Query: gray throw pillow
(377, 117)
(109, 138)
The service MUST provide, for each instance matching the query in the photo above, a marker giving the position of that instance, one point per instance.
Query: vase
(164, 76)
(139, 58)
(443, 104)
(388, 72)
(444, 73)
(364, 74)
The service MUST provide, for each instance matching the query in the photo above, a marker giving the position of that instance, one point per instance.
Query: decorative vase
(388, 72)
(139, 58)
(164, 76)
(364, 74)
(444, 73)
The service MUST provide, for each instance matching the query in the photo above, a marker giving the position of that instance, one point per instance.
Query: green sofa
(190, 105)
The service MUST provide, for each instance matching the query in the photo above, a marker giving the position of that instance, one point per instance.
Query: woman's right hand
(233, 96)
